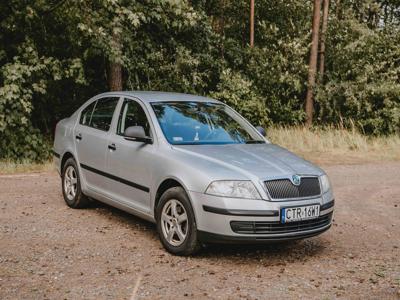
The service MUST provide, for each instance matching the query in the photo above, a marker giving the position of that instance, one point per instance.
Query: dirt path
(50, 251)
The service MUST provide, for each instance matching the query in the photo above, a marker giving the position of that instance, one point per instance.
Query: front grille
(259, 227)
(285, 189)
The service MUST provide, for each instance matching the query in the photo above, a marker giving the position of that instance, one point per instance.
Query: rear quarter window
(86, 114)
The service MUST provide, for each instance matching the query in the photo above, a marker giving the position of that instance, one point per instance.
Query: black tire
(191, 244)
(79, 200)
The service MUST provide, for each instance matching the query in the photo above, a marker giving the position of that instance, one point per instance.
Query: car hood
(261, 160)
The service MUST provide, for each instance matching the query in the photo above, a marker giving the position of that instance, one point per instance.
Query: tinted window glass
(132, 114)
(103, 113)
(86, 114)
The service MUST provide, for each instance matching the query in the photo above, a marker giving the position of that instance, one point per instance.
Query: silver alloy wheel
(174, 222)
(70, 182)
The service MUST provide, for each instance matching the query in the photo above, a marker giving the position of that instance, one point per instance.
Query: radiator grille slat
(285, 189)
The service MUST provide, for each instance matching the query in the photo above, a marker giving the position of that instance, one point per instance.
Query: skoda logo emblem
(296, 179)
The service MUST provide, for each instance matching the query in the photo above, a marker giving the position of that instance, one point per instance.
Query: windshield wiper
(254, 142)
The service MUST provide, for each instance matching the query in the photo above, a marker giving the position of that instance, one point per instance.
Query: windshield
(189, 123)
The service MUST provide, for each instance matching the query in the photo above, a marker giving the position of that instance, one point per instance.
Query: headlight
(325, 184)
(233, 189)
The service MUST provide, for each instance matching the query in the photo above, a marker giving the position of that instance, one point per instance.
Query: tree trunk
(313, 63)
(323, 38)
(115, 77)
(222, 27)
(115, 68)
(218, 22)
(338, 10)
(252, 23)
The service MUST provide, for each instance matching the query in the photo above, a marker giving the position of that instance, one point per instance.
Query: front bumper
(230, 220)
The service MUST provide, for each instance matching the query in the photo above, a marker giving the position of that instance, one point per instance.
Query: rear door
(91, 140)
(131, 161)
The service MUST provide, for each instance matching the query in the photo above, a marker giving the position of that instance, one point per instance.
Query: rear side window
(99, 113)
(86, 114)
(103, 113)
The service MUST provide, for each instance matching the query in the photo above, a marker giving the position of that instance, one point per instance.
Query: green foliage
(362, 84)
(279, 74)
(54, 55)
(239, 93)
(25, 79)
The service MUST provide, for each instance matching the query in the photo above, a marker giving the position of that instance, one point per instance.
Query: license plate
(294, 214)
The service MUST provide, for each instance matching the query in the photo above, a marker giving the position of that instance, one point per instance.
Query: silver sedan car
(193, 166)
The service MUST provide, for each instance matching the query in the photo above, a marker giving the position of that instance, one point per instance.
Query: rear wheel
(176, 223)
(71, 185)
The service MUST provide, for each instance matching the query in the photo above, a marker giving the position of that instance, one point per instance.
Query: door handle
(112, 147)
(78, 136)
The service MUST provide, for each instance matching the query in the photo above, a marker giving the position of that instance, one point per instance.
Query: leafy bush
(25, 79)
(363, 79)
(239, 93)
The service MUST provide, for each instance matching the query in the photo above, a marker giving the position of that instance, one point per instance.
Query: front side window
(186, 123)
(103, 113)
(132, 114)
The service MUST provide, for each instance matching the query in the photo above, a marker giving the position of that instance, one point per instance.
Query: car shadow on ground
(275, 253)
(121, 217)
(290, 251)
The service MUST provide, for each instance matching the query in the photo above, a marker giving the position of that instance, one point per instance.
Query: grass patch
(10, 167)
(336, 145)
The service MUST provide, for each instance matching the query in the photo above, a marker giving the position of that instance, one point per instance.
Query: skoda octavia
(193, 166)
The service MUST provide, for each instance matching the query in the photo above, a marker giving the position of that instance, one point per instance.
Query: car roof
(153, 96)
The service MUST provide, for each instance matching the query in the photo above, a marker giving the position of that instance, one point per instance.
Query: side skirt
(122, 206)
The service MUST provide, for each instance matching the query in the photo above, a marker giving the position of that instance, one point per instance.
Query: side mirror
(261, 130)
(136, 133)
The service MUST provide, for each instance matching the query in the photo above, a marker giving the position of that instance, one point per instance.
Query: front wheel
(176, 223)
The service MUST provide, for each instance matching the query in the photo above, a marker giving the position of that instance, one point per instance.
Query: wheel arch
(65, 157)
(166, 184)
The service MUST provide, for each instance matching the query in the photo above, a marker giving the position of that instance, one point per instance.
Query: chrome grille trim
(281, 189)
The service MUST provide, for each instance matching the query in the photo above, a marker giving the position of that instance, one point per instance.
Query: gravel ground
(49, 251)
